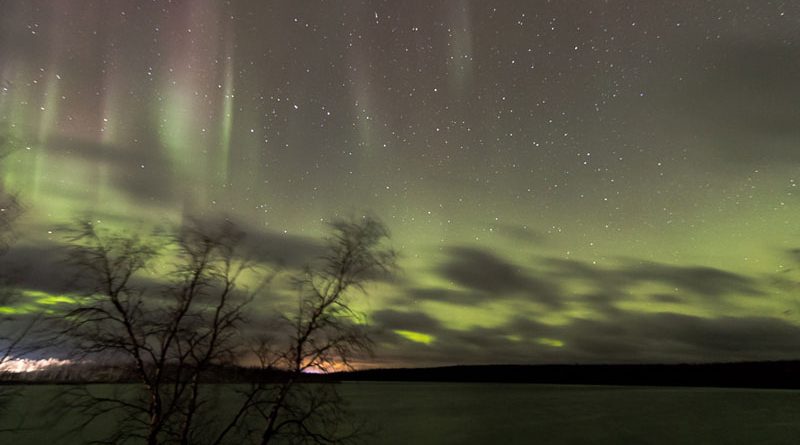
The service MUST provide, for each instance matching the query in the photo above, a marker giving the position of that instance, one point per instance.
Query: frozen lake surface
(481, 413)
(523, 414)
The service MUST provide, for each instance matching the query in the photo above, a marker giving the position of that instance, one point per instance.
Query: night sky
(595, 181)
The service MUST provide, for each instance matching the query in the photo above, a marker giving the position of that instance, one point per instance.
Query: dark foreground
(480, 413)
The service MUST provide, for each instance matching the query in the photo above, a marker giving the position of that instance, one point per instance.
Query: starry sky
(566, 181)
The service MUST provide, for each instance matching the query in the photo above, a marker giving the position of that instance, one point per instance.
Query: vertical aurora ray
(30, 112)
(177, 125)
(362, 103)
(183, 127)
(364, 107)
(19, 121)
(47, 123)
(459, 61)
(49, 107)
(18, 168)
(109, 123)
(226, 114)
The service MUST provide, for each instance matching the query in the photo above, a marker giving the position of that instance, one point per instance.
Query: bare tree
(173, 337)
(168, 336)
(326, 333)
(15, 331)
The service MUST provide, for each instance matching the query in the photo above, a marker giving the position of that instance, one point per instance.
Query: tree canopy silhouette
(173, 335)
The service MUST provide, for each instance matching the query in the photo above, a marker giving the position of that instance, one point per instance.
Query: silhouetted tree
(15, 332)
(168, 336)
(172, 337)
(325, 333)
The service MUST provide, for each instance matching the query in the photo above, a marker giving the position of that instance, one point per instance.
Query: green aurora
(565, 181)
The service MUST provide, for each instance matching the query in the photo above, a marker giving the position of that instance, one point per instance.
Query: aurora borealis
(565, 181)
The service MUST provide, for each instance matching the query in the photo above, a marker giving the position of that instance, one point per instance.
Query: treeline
(777, 374)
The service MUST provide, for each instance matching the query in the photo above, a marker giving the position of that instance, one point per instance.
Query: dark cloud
(601, 302)
(267, 246)
(669, 337)
(528, 328)
(284, 249)
(487, 277)
(38, 267)
(389, 319)
(706, 281)
(606, 280)
(482, 271)
(667, 298)
(140, 171)
(763, 336)
(462, 298)
(522, 234)
(612, 335)
(794, 255)
(622, 337)
(44, 266)
(295, 252)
